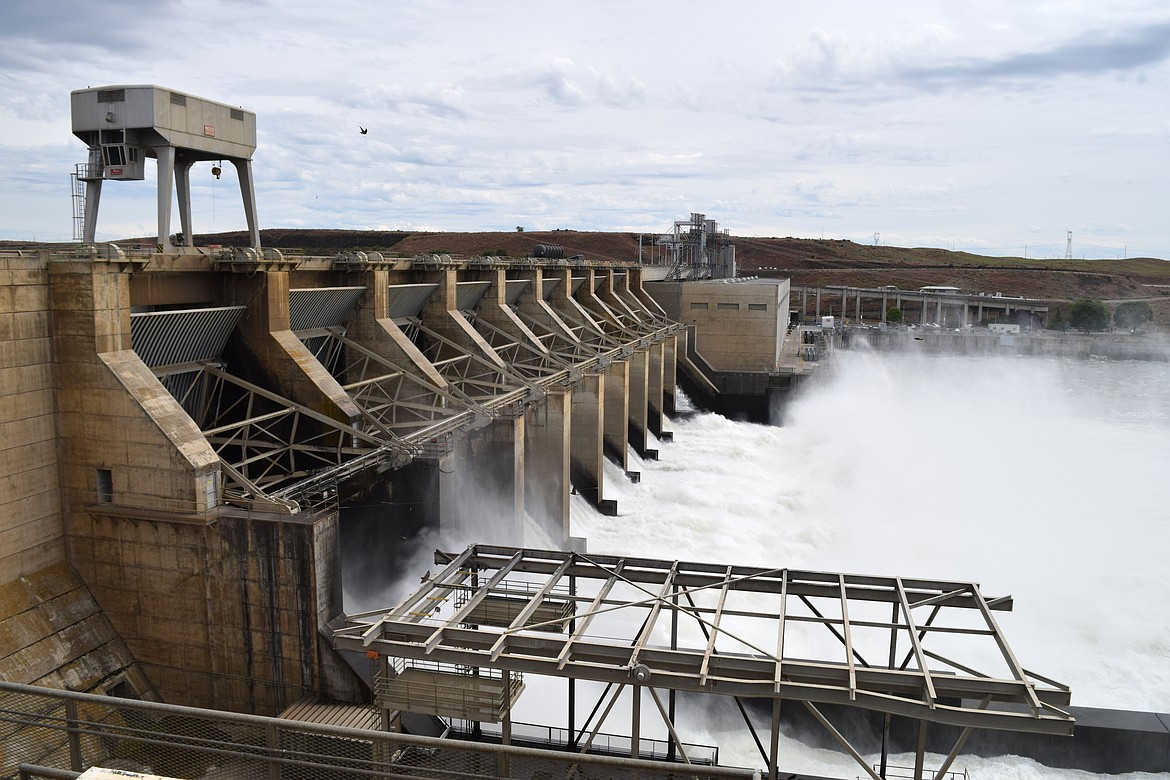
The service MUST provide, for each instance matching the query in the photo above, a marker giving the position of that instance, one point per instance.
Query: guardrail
(69, 731)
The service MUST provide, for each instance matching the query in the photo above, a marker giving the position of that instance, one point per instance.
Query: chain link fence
(64, 730)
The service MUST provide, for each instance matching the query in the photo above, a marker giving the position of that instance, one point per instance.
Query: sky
(995, 127)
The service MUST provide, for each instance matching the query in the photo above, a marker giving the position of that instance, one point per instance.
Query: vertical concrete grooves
(53, 633)
(586, 465)
(654, 390)
(31, 536)
(275, 357)
(639, 405)
(547, 427)
(617, 412)
(670, 374)
(266, 598)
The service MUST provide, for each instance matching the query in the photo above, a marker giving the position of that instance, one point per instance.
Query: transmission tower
(1068, 247)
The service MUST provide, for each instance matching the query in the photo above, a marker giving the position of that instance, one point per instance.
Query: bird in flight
(364, 130)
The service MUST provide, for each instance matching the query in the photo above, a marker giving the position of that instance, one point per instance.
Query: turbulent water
(1042, 479)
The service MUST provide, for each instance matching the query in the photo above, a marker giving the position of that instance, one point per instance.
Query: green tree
(1088, 314)
(1131, 314)
(893, 314)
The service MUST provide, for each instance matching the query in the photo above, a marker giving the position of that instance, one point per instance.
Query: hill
(804, 261)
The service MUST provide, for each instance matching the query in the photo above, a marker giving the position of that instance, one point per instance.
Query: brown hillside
(804, 261)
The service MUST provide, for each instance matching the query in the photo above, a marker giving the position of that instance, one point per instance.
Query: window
(757, 307)
(729, 307)
(695, 305)
(178, 100)
(111, 96)
(115, 155)
(237, 114)
(105, 486)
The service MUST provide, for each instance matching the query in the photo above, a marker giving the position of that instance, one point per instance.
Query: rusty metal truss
(272, 449)
(476, 379)
(391, 398)
(925, 649)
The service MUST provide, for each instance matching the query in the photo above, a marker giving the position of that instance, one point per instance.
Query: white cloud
(912, 118)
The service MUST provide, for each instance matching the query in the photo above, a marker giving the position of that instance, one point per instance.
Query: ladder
(83, 173)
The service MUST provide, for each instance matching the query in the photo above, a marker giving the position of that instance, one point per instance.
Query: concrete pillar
(818, 304)
(884, 307)
(586, 452)
(166, 184)
(938, 307)
(639, 404)
(183, 187)
(546, 463)
(669, 374)
(655, 392)
(248, 193)
(93, 199)
(278, 358)
(617, 413)
(481, 485)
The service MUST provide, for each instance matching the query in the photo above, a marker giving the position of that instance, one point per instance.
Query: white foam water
(1043, 479)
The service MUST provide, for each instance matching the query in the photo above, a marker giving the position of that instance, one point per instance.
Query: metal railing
(610, 744)
(75, 731)
(907, 772)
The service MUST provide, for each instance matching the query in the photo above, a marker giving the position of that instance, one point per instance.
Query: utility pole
(1068, 247)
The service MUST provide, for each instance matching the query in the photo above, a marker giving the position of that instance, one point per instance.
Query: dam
(206, 445)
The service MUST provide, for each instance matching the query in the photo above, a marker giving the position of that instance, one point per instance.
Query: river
(1043, 479)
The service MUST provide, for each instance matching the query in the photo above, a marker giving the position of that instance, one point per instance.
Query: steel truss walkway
(930, 650)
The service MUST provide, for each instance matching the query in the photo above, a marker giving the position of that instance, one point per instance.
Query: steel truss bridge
(929, 650)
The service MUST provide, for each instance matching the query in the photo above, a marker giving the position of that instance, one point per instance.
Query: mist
(1042, 479)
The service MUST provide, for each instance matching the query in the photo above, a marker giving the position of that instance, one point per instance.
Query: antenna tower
(1068, 247)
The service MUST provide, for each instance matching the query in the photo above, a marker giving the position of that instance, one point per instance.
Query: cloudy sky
(994, 127)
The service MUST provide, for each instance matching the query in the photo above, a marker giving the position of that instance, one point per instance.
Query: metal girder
(271, 448)
(525, 359)
(393, 398)
(731, 658)
(477, 379)
(576, 353)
